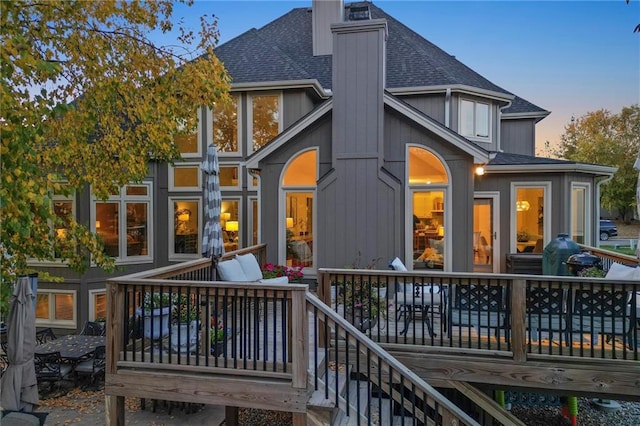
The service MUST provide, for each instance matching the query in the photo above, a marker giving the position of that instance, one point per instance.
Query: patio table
(73, 348)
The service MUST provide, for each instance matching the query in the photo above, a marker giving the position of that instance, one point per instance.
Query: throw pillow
(618, 271)
(250, 266)
(231, 270)
(398, 265)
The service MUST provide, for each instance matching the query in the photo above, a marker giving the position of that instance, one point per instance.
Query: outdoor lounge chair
(92, 367)
(45, 335)
(92, 329)
(480, 306)
(50, 368)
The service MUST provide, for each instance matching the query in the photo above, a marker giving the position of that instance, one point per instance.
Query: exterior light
(480, 170)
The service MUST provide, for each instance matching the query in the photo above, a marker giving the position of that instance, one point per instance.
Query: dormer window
(474, 120)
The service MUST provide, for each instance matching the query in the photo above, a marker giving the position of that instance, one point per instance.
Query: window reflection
(265, 119)
(225, 125)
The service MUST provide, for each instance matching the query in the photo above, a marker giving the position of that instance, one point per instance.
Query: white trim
(186, 165)
(546, 224)
(495, 224)
(282, 85)
(92, 306)
(475, 104)
(588, 213)
(51, 321)
(171, 232)
(480, 155)
(292, 131)
(544, 168)
(539, 115)
(250, 97)
(455, 88)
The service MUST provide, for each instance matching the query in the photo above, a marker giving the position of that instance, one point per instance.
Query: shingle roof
(283, 50)
(506, 159)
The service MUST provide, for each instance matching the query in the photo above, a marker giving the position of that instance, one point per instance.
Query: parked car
(608, 229)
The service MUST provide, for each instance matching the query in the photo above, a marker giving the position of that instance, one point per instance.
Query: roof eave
(549, 168)
(524, 115)
(282, 85)
(459, 88)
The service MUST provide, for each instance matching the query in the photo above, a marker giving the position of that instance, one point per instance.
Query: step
(317, 399)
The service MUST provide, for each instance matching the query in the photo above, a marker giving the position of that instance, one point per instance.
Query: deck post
(517, 323)
(114, 405)
(324, 293)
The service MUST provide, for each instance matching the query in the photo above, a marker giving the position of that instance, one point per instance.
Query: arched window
(297, 218)
(428, 181)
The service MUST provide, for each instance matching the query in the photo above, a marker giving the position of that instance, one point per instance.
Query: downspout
(499, 133)
(598, 183)
(447, 108)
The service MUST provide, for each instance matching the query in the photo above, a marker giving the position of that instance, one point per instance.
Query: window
(426, 239)
(188, 143)
(530, 227)
(265, 119)
(299, 184)
(232, 227)
(229, 177)
(254, 221)
(580, 213)
(123, 222)
(64, 209)
(474, 119)
(97, 305)
(185, 177)
(225, 125)
(56, 308)
(185, 227)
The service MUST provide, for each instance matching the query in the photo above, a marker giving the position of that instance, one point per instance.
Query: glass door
(485, 250)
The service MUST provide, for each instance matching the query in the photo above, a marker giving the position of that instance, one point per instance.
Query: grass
(620, 249)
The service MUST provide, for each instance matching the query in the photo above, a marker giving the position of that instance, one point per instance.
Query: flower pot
(360, 319)
(156, 323)
(218, 348)
(184, 337)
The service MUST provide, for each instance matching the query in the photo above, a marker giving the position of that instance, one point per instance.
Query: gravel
(588, 414)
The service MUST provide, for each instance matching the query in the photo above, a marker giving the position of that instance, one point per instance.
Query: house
(349, 139)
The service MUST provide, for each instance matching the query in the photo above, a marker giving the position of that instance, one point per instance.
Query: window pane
(428, 233)
(107, 227)
(299, 223)
(578, 208)
(225, 126)
(185, 213)
(302, 170)
(63, 307)
(42, 306)
(466, 118)
(254, 211)
(529, 218)
(186, 176)
(137, 190)
(231, 226)
(187, 144)
(137, 229)
(482, 120)
(425, 168)
(228, 176)
(100, 306)
(64, 210)
(265, 119)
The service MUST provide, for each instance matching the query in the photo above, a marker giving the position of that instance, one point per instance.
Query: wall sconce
(522, 206)
(440, 231)
(289, 222)
(480, 170)
(232, 227)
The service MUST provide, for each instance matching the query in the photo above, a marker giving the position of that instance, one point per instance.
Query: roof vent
(359, 13)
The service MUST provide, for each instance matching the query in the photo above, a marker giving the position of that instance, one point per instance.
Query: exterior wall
(518, 136)
(432, 105)
(296, 104)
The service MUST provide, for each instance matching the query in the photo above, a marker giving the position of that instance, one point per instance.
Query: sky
(567, 57)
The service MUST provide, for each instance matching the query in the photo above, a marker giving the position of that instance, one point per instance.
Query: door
(486, 251)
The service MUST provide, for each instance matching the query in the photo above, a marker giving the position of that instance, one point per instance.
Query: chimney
(324, 13)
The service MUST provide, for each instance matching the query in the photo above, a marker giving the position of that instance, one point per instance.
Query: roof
(283, 50)
(503, 162)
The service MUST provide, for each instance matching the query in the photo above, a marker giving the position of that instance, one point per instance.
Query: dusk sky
(569, 58)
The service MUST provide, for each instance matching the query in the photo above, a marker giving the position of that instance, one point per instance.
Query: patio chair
(45, 335)
(478, 306)
(93, 367)
(92, 329)
(50, 368)
(546, 311)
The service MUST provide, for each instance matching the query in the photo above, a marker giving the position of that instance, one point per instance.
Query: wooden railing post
(114, 405)
(518, 325)
(324, 294)
(299, 322)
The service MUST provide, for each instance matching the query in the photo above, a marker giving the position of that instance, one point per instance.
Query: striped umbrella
(212, 243)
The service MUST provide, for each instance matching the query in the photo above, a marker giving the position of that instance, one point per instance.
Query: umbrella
(19, 383)
(636, 166)
(212, 244)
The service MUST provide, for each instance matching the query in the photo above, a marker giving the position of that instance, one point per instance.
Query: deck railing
(516, 315)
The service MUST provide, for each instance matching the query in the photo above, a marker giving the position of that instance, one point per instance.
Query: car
(608, 229)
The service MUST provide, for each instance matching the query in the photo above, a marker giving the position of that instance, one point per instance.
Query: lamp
(97, 224)
(522, 206)
(225, 216)
(440, 231)
(289, 222)
(480, 170)
(232, 227)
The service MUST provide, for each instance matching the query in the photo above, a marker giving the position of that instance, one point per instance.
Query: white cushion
(275, 280)
(250, 266)
(231, 270)
(398, 265)
(618, 271)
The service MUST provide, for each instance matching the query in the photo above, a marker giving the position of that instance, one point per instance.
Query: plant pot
(156, 323)
(218, 348)
(184, 337)
(360, 319)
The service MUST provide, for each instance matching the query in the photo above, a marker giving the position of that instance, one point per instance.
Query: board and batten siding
(518, 136)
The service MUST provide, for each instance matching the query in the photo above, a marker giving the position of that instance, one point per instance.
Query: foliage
(355, 264)
(593, 272)
(362, 295)
(294, 274)
(88, 98)
(184, 310)
(153, 301)
(609, 139)
(217, 334)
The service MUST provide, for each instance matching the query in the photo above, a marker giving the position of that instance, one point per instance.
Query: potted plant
(155, 311)
(293, 273)
(364, 303)
(185, 317)
(217, 337)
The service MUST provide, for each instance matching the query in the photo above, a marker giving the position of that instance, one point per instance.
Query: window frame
(250, 98)
(475, 104)
(122, 199)
(588, 213)
(173, 256)
(92, 306)
(185, 165)
(546, 199)
(67, 324)
(238, 185)
(198, 153)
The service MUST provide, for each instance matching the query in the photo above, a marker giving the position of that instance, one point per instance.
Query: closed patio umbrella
(19, 383)
(212, 243)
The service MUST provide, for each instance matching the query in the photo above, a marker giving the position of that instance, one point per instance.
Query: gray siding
(518, 136)
(295, 105)
(432, 105)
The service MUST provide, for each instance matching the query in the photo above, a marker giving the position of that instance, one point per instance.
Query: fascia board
(551, 168)
(480, 156)
(254, 160)
(455, 88)
(281, 85)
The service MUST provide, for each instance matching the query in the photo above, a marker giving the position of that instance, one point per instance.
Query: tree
(88, 98)
(609, 139)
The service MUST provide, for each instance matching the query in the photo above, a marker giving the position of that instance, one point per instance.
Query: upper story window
(185, 177)
(225, 125)
(474, 120)
(188, 143)
(124, 221)
(265, 120)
